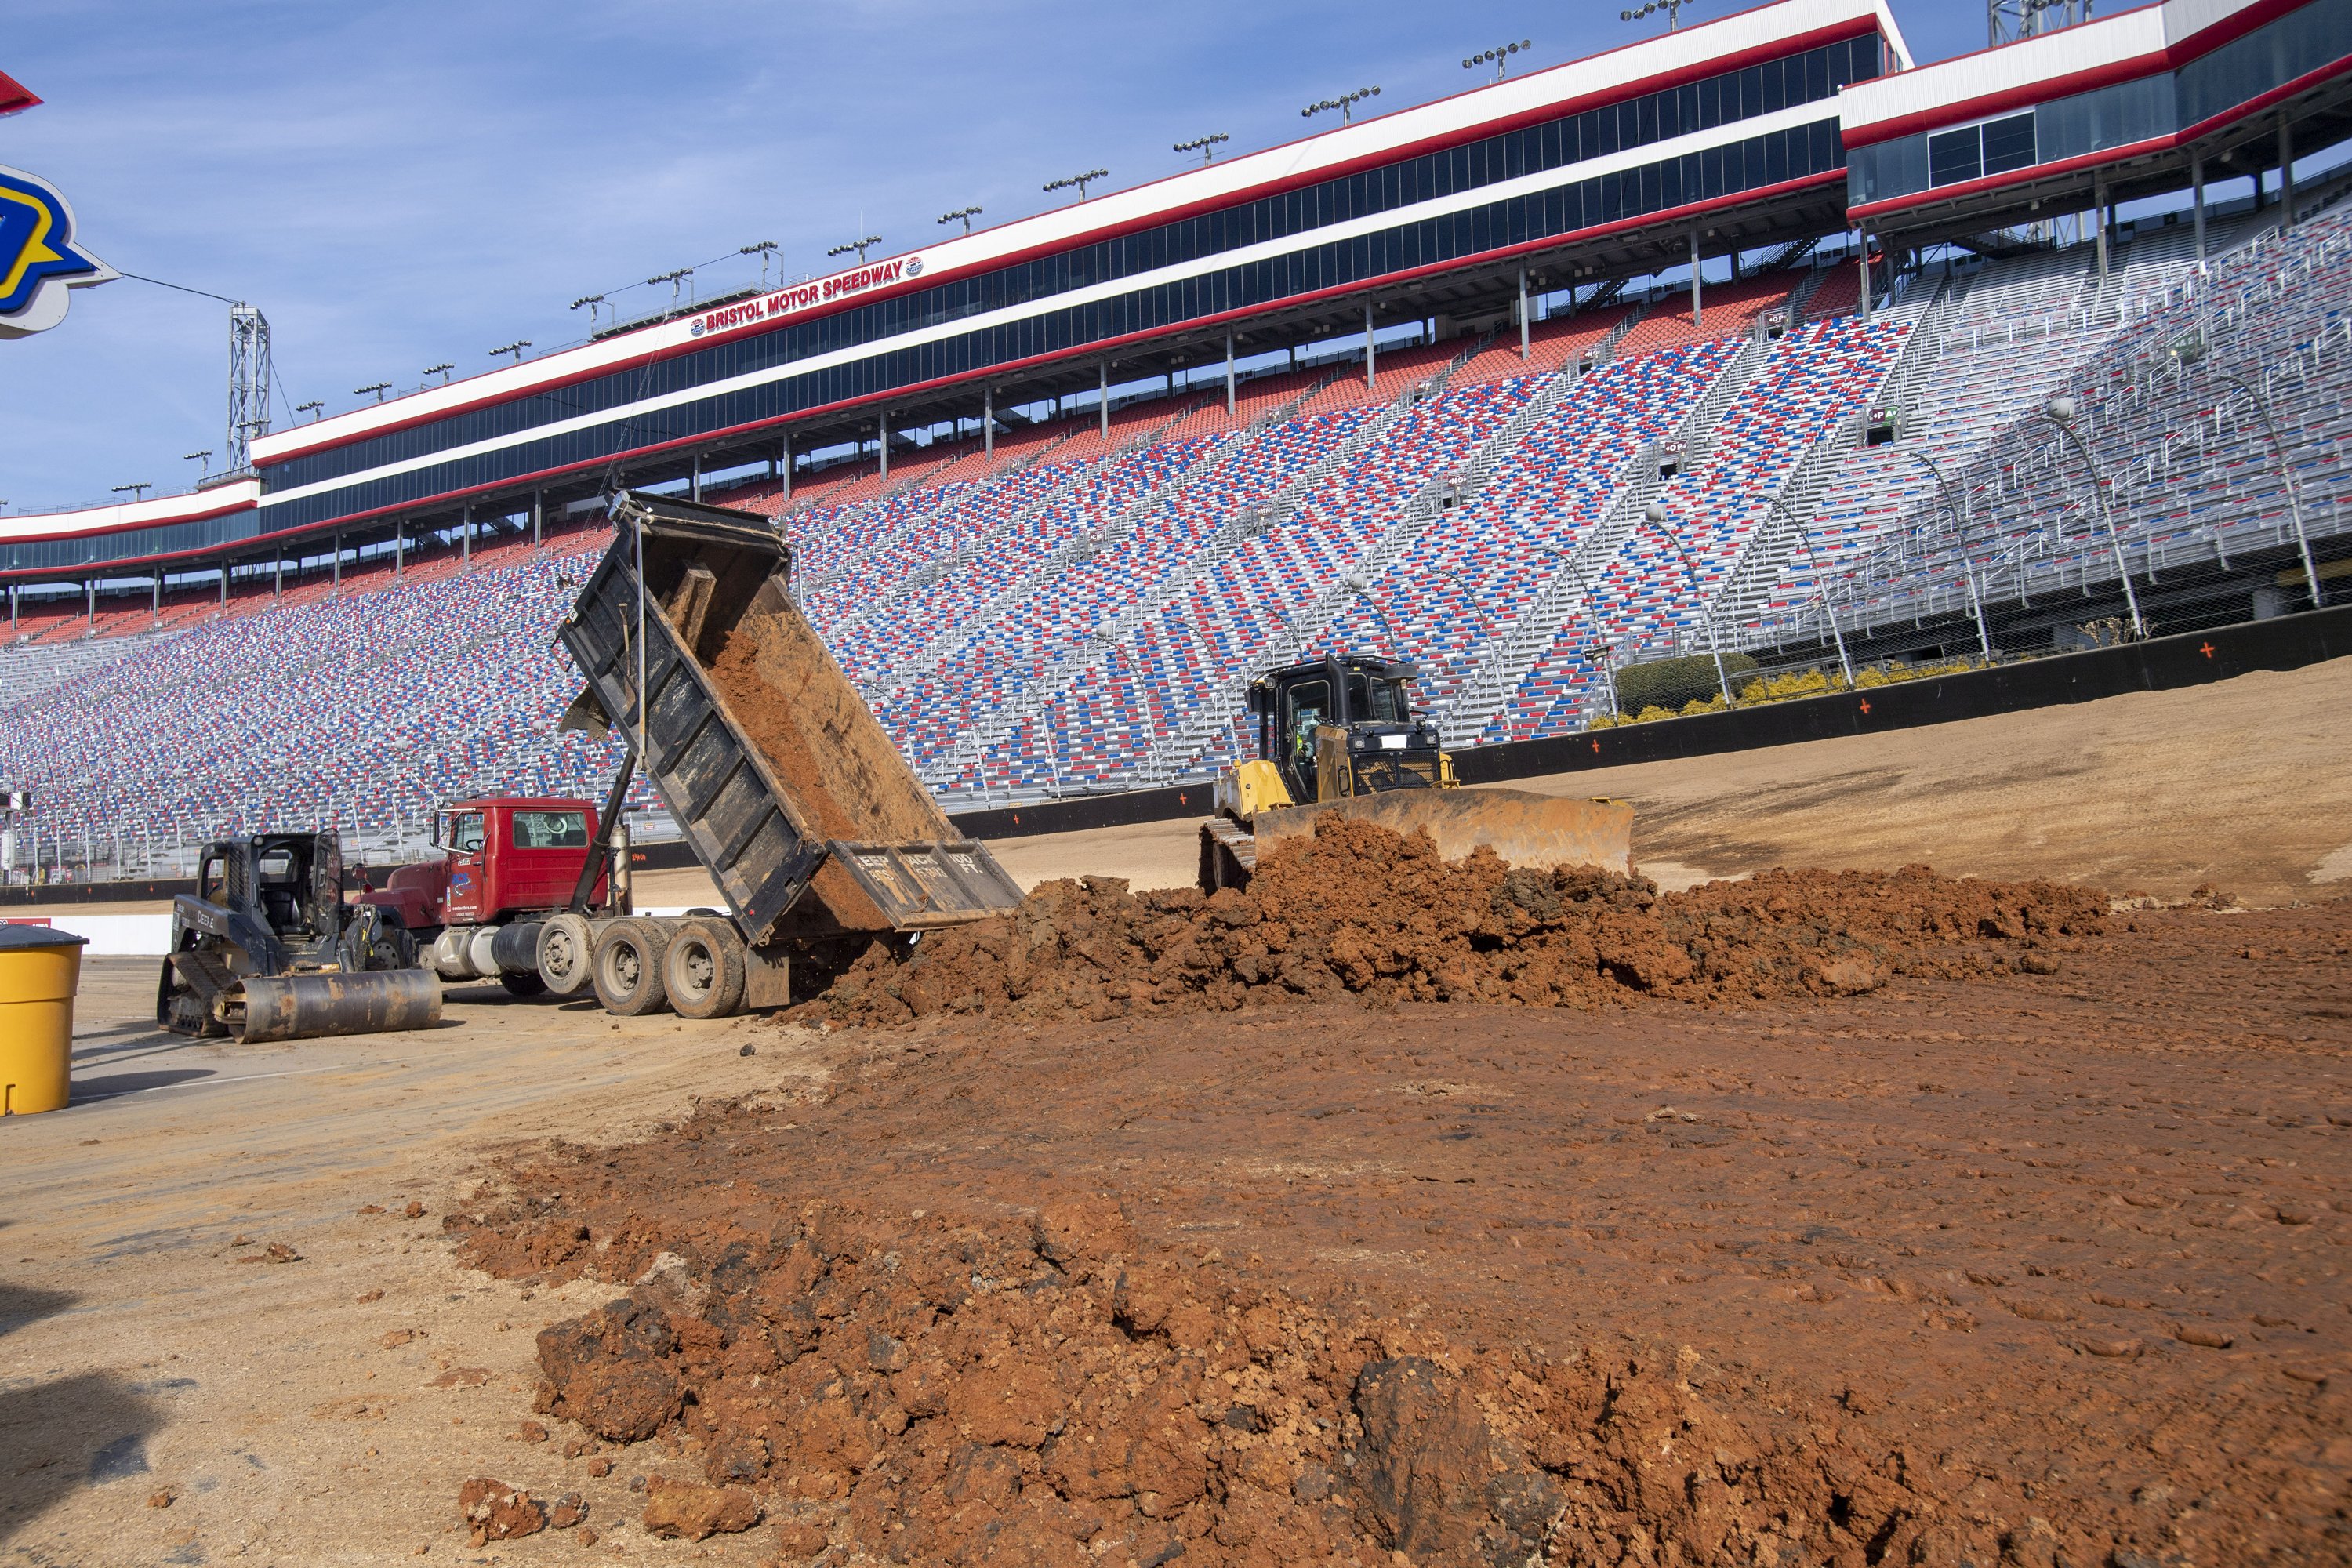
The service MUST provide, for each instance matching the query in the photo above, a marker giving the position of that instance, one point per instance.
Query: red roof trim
(1089, 350)
(1617, 92)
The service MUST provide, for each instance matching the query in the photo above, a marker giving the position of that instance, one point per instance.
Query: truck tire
(627, 967)
(566, 946)
(703, 969)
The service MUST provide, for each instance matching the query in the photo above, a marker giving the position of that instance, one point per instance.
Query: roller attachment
(301, 1006)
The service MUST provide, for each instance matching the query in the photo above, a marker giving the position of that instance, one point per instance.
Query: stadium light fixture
(1655, 515)
(441, 370)
(1499, 56)
(310, 407)
(672, 278)
(859, 245)
(138, 491)
(2060, 412)
(964, 213)
(514, 348)
(1345, 103)
(1204, 145)
(206, 458)
(1672, 9)
(763, 250)
(378, 387)
(2189, 353)
(592, 301)
(1079, 182)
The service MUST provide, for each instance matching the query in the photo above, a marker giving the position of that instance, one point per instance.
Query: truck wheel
(627, 967)
(566, 944)
(522, 983)
(704, 969)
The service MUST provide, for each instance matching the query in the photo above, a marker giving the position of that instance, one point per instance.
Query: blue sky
(398, 186)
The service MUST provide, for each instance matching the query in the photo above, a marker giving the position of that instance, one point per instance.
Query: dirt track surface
(295, 1415)
(2247, 784)
(2037, 1267)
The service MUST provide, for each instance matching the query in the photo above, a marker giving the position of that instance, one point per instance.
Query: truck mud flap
(919, 887)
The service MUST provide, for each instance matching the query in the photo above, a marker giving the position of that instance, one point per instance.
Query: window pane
(1953, 156)
(2008, 143)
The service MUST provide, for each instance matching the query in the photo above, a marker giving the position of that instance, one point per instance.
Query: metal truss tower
(248, 383)
(2005, 21)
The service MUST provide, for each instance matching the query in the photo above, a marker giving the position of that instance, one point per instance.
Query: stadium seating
(1076, 609)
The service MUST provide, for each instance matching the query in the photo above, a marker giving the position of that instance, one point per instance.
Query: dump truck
(505, 865)
(818, 836)
(1340, 734)
(266, 949)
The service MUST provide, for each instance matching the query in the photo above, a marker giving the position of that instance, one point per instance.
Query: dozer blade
(305, 1006)
(1534, 831)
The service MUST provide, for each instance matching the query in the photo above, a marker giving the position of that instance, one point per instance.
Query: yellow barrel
(40, 969)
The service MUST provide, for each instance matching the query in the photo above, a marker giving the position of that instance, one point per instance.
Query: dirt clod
(610, 1372)
(498, 1511)
(685, 1510)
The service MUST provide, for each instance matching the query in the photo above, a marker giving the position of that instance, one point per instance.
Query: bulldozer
(1340, 734)
(266, 949)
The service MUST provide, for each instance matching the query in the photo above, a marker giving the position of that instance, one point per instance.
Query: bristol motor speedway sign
(39, 258)
(799, 297)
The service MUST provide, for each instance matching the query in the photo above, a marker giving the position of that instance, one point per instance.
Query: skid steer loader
(1340, 734)
(266, 949)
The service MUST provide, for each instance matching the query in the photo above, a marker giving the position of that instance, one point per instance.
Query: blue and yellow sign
(38, 258)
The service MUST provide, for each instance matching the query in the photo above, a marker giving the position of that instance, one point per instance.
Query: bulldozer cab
(1344, 726)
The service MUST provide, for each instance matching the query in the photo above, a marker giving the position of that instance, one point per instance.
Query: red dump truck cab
(496, 858)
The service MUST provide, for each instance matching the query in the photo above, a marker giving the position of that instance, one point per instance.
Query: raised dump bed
(788, 790)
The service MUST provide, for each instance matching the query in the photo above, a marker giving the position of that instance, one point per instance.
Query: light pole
(1359, 585)
(764, 251)
(1969, 567)
(514, 348)
(1289, 627)
(378, 387)
(206, 458)
(1499, 56)
(1345, 103)
(1470, 603)
(310, 407)
(1655, 514)
(1075, 181)
(673, 278)
(859, 245)
(2060, 412)
(1204, 145)
(443, 370)
(138, 491)
(1805, 538)
(589, 302)
(2190, 351)
(964, 215)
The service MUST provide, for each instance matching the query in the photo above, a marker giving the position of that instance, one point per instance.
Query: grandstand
(1521, 444)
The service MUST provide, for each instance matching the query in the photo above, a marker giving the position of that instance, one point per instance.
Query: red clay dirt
(1994, 1261)
(1358, 908)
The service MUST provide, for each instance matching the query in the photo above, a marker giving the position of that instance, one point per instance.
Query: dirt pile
(923, 1389)
(1360, 909)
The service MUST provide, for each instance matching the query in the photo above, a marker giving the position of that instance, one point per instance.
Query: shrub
(1675, 683)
